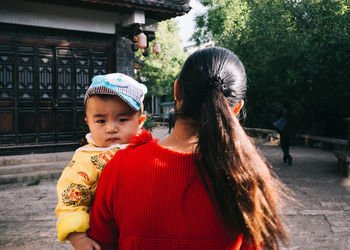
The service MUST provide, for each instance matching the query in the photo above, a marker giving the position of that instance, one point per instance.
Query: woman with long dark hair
(203, 187)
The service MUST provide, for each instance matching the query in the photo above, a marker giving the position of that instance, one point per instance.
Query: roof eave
(155, 12)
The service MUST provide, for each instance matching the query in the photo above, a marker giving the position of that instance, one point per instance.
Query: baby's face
(111, 121)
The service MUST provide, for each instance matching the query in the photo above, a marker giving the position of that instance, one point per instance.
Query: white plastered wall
(60, 17)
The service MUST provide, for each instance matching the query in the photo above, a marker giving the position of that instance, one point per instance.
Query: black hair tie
(218, 84)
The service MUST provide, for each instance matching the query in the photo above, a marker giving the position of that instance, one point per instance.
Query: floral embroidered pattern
(95, 161)
(75, 194)
(71, 163)
(102, 159)
(84, 175)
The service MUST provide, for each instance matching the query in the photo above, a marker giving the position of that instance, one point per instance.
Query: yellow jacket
(76, 187)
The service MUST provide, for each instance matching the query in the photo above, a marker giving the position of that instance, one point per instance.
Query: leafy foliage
(159, 71)
(295, 51)
(149, 123)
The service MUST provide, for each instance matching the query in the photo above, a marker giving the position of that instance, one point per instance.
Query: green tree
(159, 71)
(293, 50)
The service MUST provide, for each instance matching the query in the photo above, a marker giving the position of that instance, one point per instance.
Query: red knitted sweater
(149, 197)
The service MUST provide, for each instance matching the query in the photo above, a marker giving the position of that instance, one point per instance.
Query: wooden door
(42, 90)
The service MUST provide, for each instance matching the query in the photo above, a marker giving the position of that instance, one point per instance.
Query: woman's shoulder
(144, 146)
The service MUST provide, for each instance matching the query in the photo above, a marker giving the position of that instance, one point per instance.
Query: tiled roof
(164, 8)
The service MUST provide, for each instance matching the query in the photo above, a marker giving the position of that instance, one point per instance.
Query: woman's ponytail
(236, 176)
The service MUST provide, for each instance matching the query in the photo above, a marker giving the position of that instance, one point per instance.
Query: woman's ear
(238, 107)
(177, 94)
(177, 91)
(141, 121)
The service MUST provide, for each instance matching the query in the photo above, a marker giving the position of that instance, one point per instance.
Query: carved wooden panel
(82, 66)
(46, 95)
(6, 122)
(80, 124)
(100, 66)
(65, 125)
(6, 75)
(7, 87)
(26, 126)
(64, 78)
(25, 76)
(7, 127)
(45, 71)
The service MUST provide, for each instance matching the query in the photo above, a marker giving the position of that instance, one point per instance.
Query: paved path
(321, 220)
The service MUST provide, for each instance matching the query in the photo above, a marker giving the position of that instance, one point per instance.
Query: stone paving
(320, 219)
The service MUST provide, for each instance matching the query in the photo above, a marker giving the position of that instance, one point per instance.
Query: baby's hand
(80, 241)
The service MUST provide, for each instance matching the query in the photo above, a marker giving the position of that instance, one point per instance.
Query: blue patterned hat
(127, 88)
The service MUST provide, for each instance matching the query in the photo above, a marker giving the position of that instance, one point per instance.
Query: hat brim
(134, 105)
(101, 90)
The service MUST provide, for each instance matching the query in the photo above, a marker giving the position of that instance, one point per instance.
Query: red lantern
(141, 40)
(156, 48)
